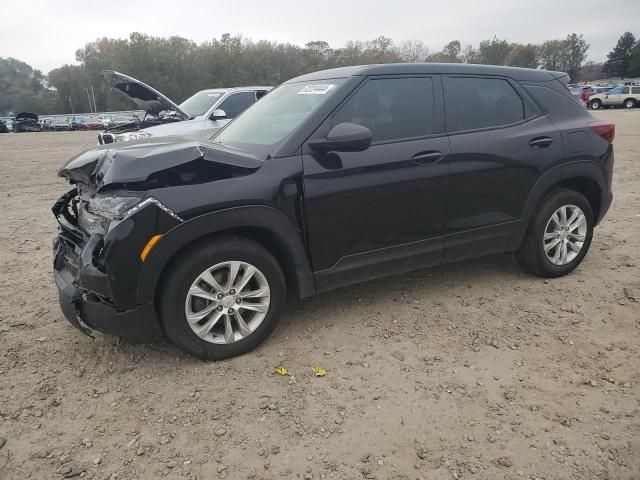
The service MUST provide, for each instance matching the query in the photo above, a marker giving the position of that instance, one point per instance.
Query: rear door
(382, 210)
(500, 145)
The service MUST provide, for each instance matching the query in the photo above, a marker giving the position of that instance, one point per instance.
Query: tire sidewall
(183, 273)
(553, 202)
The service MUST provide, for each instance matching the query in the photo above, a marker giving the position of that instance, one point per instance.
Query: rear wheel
(222, 298)
(559, 235)
(629, 103)
(596, 104)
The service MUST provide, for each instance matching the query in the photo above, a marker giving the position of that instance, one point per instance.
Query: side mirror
(344, 137)
(218, 114)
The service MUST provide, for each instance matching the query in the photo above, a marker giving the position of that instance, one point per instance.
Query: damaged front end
(110, 221)
(97, 262)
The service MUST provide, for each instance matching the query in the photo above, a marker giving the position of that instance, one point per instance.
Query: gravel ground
(468, 370)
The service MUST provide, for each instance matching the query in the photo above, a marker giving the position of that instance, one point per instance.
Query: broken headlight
(117, 208)
(112, 207)
(125, 137)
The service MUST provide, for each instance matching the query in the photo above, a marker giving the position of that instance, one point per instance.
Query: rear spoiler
(562, 77)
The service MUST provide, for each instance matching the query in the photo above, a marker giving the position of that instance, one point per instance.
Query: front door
(382, 210)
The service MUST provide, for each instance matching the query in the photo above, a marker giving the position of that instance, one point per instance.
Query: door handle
(425, 158)
(541, 142)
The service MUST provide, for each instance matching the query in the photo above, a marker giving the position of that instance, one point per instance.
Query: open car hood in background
(27, 116)
(144, 96)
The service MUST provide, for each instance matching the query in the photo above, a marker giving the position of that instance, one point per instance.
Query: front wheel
(559, 235)
(596, 104)
(222, 298)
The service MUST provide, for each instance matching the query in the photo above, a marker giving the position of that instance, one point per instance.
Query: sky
(46, 34)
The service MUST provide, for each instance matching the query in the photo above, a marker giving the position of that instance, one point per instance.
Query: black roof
(431, 68)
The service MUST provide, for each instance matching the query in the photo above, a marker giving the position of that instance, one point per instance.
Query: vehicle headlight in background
(125, 137)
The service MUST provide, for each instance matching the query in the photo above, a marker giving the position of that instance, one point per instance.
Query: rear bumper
(86, 312)
(607, 199)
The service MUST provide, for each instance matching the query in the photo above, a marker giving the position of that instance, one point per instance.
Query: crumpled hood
(145, 97)
(173, 160)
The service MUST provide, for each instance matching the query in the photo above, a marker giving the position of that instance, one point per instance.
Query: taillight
(605, 130)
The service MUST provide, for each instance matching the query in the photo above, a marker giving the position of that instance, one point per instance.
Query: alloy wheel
(565, 234)
(227, 302)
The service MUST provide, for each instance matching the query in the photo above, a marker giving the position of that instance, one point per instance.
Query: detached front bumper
(87, 312)
(90, 294)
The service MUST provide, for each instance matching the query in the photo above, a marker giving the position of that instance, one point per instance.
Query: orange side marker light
(150, 244)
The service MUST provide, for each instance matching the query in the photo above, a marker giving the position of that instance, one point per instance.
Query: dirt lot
(470, 370)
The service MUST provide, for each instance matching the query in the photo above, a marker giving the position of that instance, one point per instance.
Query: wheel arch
(265, 225)
(582, 176)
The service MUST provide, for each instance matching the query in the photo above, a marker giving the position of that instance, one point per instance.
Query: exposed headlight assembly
(117, 208)
(125, 137)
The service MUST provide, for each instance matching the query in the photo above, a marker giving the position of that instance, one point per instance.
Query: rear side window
(635, 90)
(392, 109)
(480, 103)
(557, 105)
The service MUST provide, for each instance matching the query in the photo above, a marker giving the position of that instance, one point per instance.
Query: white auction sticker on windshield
(320, 89)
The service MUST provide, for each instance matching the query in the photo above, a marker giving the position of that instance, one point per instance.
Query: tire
(629, 103)
(175, 297)
(532, 255)
(596, 104)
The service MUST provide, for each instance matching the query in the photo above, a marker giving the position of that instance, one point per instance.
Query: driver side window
(236, 103)
(392, 108)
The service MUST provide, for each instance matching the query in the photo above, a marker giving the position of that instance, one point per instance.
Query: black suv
(333, 178)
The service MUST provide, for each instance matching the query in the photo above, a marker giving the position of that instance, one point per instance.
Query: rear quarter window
(556, 104)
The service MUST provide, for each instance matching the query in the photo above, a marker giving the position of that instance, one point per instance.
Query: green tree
(619, 59)
(576, 53)
(449, 54)
(552, 55)
(634, 60)
(522, 55)
(23, 89)
(493, 52)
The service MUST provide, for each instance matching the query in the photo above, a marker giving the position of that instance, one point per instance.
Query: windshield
(199, 103)
(278, 114)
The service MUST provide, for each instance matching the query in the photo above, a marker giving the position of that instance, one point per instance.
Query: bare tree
(413, 51)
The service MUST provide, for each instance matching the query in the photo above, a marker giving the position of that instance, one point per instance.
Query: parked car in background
(4, 128)
(577, 95)
(26, 122)
(584, 92)
(88, 123)
(624, 96)
(200, 115)
(334, 178)
(61, 124)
